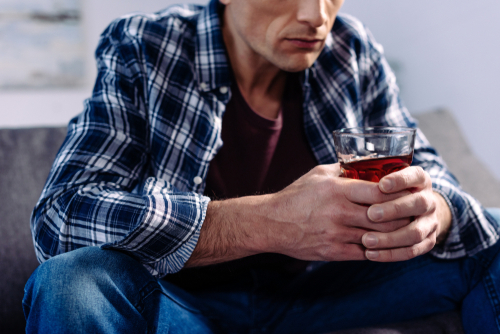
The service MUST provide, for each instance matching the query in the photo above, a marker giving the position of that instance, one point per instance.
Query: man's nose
(312, 12)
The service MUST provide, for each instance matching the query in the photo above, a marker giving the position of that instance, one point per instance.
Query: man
(283, 244)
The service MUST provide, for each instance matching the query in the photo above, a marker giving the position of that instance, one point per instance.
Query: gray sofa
(26, 156)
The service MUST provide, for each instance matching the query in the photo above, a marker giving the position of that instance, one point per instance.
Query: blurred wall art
(41, 44)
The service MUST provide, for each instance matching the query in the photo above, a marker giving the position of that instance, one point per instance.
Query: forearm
(232, 229)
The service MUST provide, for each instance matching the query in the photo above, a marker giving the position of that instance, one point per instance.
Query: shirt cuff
(451, 247)
(169, 229)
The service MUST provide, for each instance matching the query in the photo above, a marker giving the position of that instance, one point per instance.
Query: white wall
(446, 53)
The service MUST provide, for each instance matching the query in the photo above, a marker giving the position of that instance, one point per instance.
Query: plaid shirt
(130, 173)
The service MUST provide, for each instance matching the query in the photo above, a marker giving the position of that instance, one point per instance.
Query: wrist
(252, 214)
(233, 229)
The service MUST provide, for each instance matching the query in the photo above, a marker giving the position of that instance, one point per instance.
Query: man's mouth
(305, 43)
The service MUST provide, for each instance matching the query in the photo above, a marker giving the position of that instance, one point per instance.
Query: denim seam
(493, 297)
(144, 293)
(151, 287)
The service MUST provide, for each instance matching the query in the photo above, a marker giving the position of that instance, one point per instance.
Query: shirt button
(223, 90)
(203, 86)
(197, 180)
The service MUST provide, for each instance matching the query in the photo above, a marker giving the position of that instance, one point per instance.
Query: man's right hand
(323, 216)
(319, 217)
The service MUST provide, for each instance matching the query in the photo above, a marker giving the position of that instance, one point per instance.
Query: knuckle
(399, 209)
(385, 240)
(428, 180)
(387, 227)
(421, 174)
(376, 194)
(407, 179)
(433, 203)
(431, 242)
(339, 235)
(392, 255)
(403, 180)
(339, 251)
(433, 239)
(342, 250)
(319, 168)
(324, 253)
(419, 233)
(431, 245)
(423, 202)
(412, 252)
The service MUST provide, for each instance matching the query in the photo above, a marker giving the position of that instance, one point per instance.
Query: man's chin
(297, 64)
(296, 67)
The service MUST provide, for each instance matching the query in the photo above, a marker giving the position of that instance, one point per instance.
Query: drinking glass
(370, 153)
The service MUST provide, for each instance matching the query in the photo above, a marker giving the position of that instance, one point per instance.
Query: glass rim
(361, 129)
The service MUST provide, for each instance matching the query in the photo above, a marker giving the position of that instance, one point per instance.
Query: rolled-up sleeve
(98, 192)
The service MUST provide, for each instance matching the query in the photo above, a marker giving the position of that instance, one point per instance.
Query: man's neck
(261, 83)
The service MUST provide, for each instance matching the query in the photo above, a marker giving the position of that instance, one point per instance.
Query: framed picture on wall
(41, 43)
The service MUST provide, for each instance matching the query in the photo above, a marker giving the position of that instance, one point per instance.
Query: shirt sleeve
(472, 229)
(98, 192)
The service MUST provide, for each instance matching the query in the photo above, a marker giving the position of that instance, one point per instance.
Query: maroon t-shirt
(258, 156)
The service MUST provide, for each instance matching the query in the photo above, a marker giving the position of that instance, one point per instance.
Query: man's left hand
(428, 211)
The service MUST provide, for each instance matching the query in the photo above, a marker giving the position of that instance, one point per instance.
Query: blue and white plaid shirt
(130, 174)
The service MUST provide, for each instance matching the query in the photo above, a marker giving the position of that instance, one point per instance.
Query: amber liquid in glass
(375, 169)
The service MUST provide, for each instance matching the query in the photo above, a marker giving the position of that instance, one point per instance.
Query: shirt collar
(211, 61)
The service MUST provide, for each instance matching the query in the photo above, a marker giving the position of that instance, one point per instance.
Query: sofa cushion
(26, 156)
(445, 135)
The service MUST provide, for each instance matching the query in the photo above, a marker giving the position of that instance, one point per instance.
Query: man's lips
(305, 43)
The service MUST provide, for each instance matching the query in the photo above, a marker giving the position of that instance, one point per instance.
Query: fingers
(411, 177)
(354, 234)
(365, 192)
(417, 238)
(401, 254)
(416, 204)
(386, 227)
(413, 234)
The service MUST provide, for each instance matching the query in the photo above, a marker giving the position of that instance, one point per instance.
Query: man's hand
(321, 216)
(432, 218)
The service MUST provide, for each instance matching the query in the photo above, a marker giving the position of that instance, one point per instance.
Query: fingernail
(375, 213)
(370, 254)
(370, 240)
(387, 185)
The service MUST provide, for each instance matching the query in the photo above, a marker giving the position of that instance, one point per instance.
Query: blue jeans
(90, 290)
